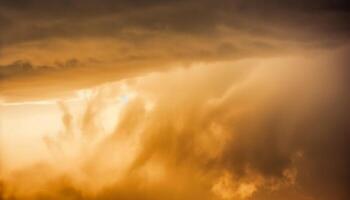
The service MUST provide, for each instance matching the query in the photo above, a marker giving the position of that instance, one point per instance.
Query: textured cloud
(23, 68)
(211, 100)
(120, 39)
(268, 128)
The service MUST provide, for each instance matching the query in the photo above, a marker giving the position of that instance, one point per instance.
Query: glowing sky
(174, 100)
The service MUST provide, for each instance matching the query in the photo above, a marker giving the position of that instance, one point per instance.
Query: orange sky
(182, 100)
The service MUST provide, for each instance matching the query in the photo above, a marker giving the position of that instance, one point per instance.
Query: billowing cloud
(274, 130)
(154, 100)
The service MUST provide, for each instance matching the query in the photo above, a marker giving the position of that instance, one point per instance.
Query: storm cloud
(154, 100)
(145, 36)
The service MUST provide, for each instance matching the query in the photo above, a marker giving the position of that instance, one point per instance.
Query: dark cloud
(35, 20)
(24, 68)
(138, 36)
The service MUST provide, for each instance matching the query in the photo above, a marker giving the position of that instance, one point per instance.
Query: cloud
(275, 129)
(224, 99)
(110, 18)
(25, 68)
(127, 39)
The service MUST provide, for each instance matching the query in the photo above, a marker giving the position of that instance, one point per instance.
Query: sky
(176, 100)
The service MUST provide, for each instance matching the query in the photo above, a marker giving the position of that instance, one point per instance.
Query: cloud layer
(116, 39)
(211, 100)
